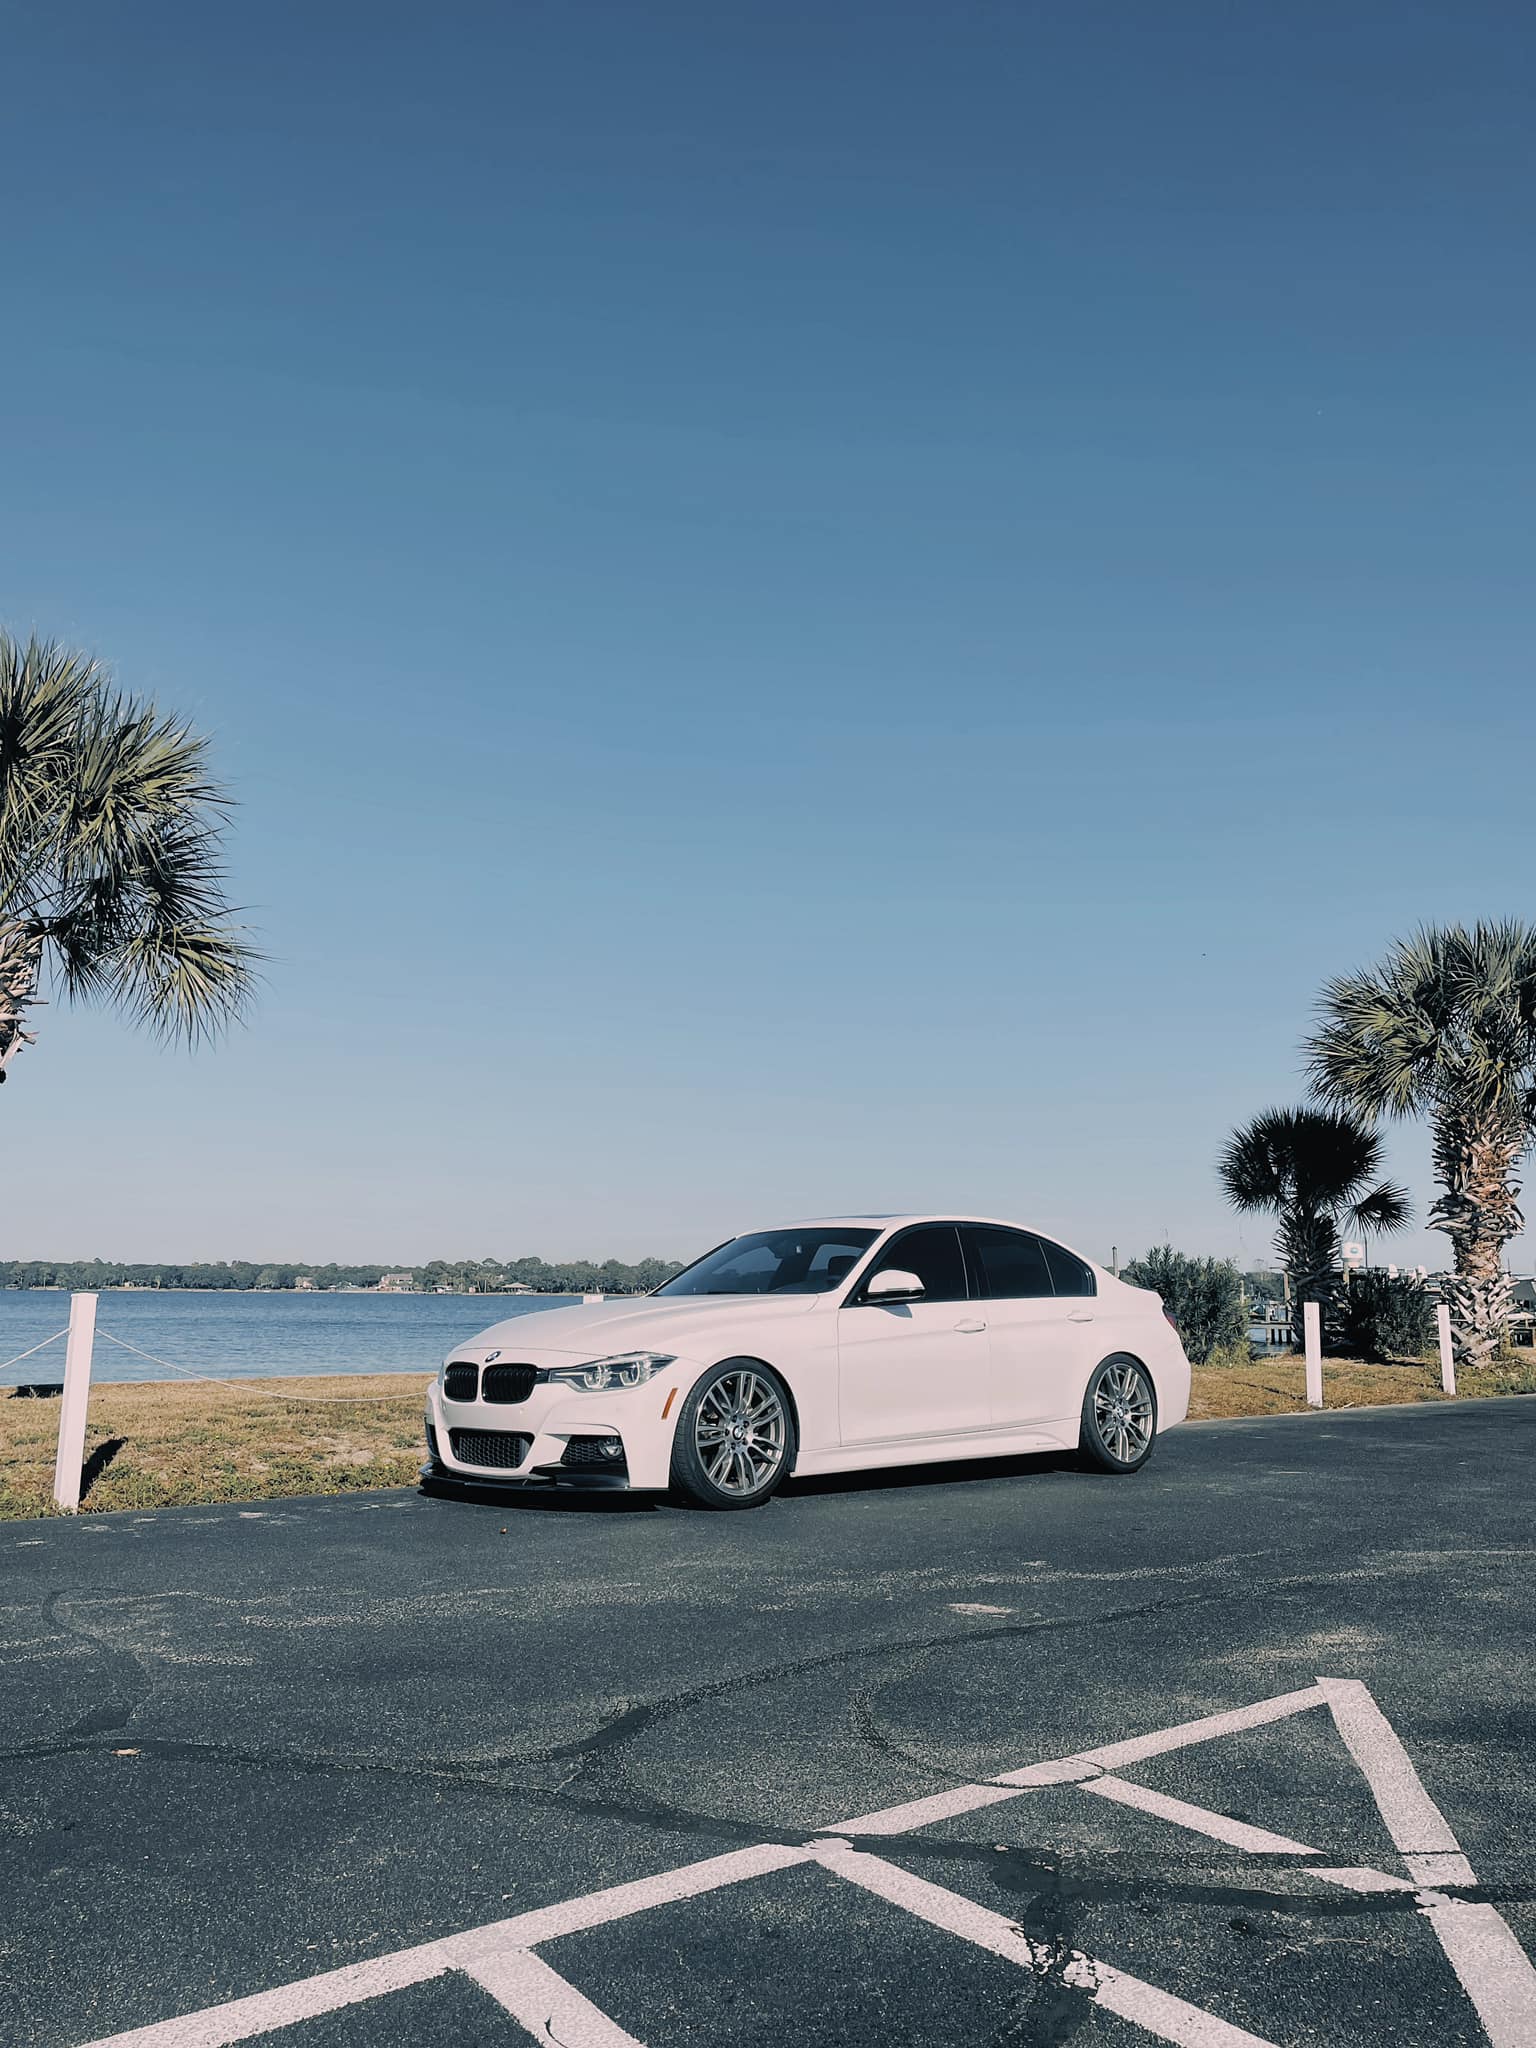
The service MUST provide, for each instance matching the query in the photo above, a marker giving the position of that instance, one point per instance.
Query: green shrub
(1204, 1297)
(1384, 1316)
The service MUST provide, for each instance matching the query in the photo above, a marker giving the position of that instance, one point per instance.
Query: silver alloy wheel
(1122, 1412)
(740, 1431)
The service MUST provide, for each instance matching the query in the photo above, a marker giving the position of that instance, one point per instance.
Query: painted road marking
(1493, 1969)
(618, 1902)
(1417, 1826)
(1112, 1755)
(218, 2025)
(1067, 1770)
(1219, 1826)
(540, 2000)
(1159, 2012)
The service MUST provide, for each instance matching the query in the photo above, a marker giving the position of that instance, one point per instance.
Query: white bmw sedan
(819, 1347)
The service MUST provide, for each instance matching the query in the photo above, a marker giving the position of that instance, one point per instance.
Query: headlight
(628, 1369)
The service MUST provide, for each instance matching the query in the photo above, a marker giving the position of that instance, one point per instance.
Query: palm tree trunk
(21, 952)
(1309, 1251)
(1479, 1211)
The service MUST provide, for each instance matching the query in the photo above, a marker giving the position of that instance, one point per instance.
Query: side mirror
(894, 1285)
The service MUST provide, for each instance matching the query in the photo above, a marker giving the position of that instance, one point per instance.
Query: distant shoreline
(522, 1276)
(388, 1293)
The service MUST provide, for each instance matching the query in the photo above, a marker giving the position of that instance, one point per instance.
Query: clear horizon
(804, 608)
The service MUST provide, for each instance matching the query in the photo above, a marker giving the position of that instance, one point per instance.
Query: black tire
(1119, 1428)
(735, 1440)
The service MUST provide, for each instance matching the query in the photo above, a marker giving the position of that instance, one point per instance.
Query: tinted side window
(1070, 1274)
(1010, 1264)
(933, 1254)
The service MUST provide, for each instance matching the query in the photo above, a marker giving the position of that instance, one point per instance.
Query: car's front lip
(585, 1479)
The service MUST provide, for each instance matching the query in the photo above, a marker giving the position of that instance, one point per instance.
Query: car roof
(875, 1220)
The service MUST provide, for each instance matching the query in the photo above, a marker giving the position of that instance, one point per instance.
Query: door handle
(1080, 1315)
(971, 1328)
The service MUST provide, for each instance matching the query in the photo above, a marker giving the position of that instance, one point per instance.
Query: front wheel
(1119, 1417)
(735, 1437)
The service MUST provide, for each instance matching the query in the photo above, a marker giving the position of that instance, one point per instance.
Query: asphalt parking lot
(393, 1769)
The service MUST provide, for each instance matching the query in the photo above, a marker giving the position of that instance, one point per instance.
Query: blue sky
(809, 606)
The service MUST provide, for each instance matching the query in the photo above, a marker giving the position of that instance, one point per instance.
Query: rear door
(913, 1369)
(1039, 1334)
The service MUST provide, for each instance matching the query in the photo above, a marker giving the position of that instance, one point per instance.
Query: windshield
(776, 1262)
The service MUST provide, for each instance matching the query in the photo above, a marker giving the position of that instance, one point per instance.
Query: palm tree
(109, 840)
(1313, 1169)
(1445, 1028)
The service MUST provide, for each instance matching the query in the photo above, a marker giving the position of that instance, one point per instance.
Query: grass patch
(166, 1446)
(1277, 1385)
(162, 1446)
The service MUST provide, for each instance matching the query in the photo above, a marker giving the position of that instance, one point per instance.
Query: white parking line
(1417, 1826)
(1219, 1826)
(219, 2025)
(619, 1901)
(1495, 1971)
(540, 1999)
(1067, 1770)
(922, 1813)
(264, 2011)
(1480, 1947)
(1158, 2012)
(1111, 1756)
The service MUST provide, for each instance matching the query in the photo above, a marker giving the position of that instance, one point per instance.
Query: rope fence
(7, 1363)
(237, 1381)
(81, 1335)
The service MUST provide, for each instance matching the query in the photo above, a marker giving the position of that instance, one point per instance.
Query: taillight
(1172, 1318)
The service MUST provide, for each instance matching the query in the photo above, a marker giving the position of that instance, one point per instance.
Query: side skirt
(938, 1450)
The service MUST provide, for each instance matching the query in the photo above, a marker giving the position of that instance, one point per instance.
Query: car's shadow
(562, 1500)
(886, 1477)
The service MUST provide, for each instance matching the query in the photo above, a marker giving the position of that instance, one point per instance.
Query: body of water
(235, 1334)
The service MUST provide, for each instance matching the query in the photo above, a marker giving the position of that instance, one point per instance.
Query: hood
(678, 1323)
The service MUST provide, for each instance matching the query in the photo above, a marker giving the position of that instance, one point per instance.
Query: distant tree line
(456, 1276)
(580, 1276)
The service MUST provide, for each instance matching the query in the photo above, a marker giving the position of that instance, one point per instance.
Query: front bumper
(554, 1438)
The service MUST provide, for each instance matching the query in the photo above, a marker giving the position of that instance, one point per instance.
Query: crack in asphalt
(631, 1722)
(110, 1715)
(1052, 1886)
(1051, 1894)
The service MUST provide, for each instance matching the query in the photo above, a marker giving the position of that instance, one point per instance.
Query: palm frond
(185, 982)
(1385, 1209)
(1314, 1160)
(110, 832)
(1449, 1017)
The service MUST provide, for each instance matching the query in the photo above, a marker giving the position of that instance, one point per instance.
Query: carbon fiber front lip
(542, 1479)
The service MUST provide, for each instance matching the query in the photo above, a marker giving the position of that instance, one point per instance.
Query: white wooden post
(77, 1391)
(1312, 1328)
(1447, 1353)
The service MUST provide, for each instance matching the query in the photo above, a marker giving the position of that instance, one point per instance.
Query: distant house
(304, 1284)
(397, 1283)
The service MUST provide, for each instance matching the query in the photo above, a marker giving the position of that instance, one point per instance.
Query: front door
(1038, 1338)
(917, 1368)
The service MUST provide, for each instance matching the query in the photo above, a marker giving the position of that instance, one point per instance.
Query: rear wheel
(1119, 1416)
(735, 1437)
